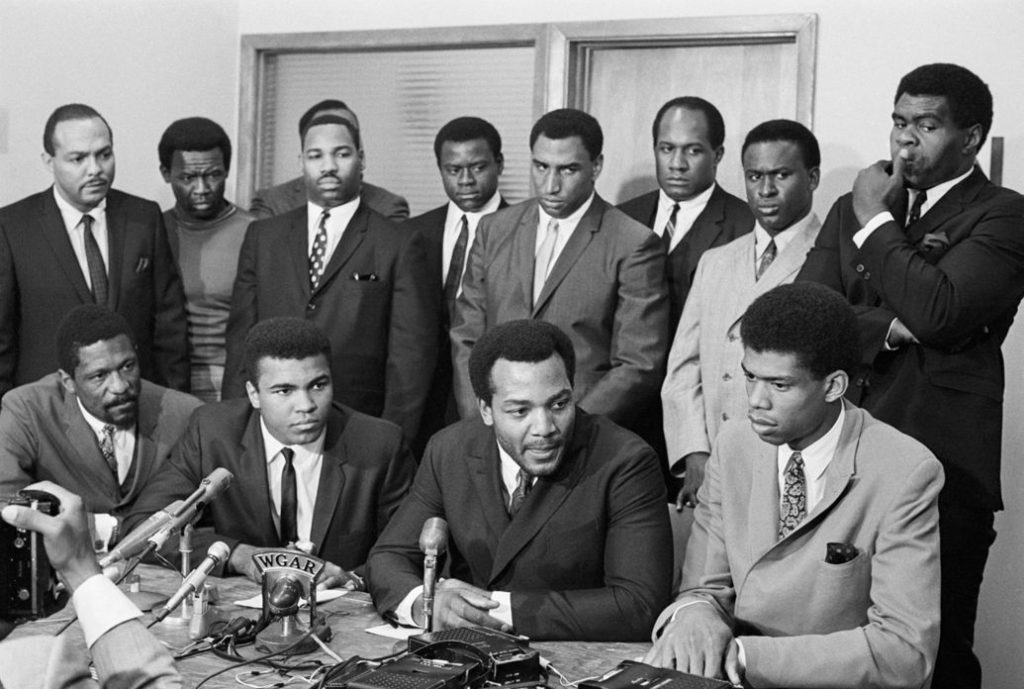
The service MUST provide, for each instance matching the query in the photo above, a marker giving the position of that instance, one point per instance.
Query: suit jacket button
(725, 417)
(867, 275)
(726, 376)
(311, 306)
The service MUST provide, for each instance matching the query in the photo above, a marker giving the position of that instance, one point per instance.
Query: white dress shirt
(687, 215)
(817, 456)
(452, 227)
(782, 239)
(124, 441)
(337, 221)
(76, 232)
(307, 460)
(566, 226)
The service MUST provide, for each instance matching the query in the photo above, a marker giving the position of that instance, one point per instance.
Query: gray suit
(43, 436)
(704, 383)
(606, 290)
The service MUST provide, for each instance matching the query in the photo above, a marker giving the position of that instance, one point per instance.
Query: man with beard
(94, 425)
(558, 526)
(81, 242)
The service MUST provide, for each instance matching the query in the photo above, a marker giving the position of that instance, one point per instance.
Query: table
(349, 617)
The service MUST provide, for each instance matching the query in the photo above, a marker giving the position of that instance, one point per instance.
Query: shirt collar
(570, 222)
(344, 212)
(783, 238)
(96, 424)
(818, 454)
(72, 216)
(272, 446)
(473, 217)
(938, 191)
(700, 199)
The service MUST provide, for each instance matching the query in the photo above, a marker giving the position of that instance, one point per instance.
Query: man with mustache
(363, 280)
(82, 242)
(95, 424)
(931, 255)
(558, 526)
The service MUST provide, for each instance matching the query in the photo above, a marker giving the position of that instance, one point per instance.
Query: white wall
(144, 63)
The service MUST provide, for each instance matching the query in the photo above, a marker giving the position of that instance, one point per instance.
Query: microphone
(136, 541)
(433, 540)
(209, 488)
(217, 553)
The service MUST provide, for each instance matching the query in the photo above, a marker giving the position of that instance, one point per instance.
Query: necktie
(94, 259)
(523, 487)
(793, 508)
(915, 208)
(670, 228)
(451, 283)
(316, 256)
(542, 264)
(766, 259)
(107, 450)
(289, 500)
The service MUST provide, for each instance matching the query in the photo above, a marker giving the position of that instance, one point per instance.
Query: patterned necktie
(451, 283)
(107, 450)
(289, 499)
(523, 487)
(915, 208)
(793, 507)
(94, 259)
(542, 264)
(766, 259)
(670, 228)
(316, 256)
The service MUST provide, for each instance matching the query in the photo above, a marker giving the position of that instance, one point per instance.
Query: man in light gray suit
(704, 385)
(569, 258)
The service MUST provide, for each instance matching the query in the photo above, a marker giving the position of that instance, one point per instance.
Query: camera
(28, 585)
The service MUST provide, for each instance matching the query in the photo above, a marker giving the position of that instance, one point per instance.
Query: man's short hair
(193, 134)
(71, 111)
(283, 338)
(526, 340)
(716, 125)
(463, 129)
(786, 130)
(970, 101)
(85, 325)
(567, 122)
(332, 119)
(807, 320)
(329, 104)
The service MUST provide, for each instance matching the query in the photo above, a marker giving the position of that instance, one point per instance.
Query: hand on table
(458, 604)
(697, 641)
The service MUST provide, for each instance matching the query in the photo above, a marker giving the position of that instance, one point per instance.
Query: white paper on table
(394, 632)
(256, 602)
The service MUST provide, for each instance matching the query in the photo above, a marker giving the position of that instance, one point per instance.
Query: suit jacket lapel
(332, 478)
(52, 225)
(93, 468)
(296, 245)
(950, 205)
(252, 477)
(788, 263)
(841, 471)
(524, 251)
(116, 235)
(588, 226)
(706, 228)
(351, 238)
(763, 512)
(484, 472)
(145, 448)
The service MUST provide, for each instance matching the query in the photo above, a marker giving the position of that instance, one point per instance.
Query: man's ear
(253, 393)
(67, 381)
(485, 412)
(166, 174)
(836, 384)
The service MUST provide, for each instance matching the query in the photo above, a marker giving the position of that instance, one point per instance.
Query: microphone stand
(182, 617)
(429, 580)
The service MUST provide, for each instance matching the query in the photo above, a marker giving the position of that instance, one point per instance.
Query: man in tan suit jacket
(704, 384)
(814, 559)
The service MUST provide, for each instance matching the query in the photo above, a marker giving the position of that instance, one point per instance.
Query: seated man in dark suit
(308, 472)
(292, 194)
(814, 557)
(930, 254)
(122, 651)
(557, 518)
(468, 152)
(95, 424)
(82, 242)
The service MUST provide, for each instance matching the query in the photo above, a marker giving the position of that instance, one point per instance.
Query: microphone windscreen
(434, 535)
(219, 552)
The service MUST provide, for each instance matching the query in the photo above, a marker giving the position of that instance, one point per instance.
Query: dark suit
(587, 557)
(44, 437)
(722, 220)
(606, 291)
(871, 621)
(290, 195)
(374, 302)
(959, 299)
(366, 471)
(440, 409)
(41, 280)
